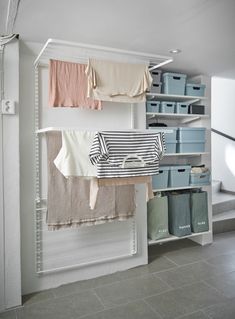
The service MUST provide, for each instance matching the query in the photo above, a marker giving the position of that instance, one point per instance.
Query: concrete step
(216, 185)
(222, 202)
(224, 222)
(224, 216)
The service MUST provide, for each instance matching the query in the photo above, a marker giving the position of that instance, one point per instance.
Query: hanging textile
(73, 157)
(127, 153)
(68, 198)
(96, 183)
(118, 82)
(68, 86)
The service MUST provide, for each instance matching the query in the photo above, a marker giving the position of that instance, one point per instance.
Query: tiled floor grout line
(162, 280)
(172, 261)
(97, 296)
(115, 307)
(188, 314)
(163, 270)
(179, 266)
(207, 315)
(216, 289)
(190, 263)
(91, 313)
(150, 307)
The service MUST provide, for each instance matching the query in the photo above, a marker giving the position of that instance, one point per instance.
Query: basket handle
(124, 165)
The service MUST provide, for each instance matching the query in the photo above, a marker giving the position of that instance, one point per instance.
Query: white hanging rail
(50, 129)
(80, 52)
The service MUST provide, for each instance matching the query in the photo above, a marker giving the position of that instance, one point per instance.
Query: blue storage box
(179, 175)
(191, 134)
(156, 75)
(156, 87)
(174, 83)
(153, 106)
(170, 133)
(190, 146)
(167, 107)
(160, 180)
(200, 178)
(193, 89)
(171, 147)
(181, 108)
(170, 137)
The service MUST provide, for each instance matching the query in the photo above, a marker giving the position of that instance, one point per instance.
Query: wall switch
(8, 107)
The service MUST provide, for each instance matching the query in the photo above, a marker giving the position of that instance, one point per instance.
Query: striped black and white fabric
(127, 153)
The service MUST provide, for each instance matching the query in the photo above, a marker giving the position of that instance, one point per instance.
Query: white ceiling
(202, 29)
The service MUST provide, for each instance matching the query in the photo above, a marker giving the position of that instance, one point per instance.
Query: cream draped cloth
(118, 82)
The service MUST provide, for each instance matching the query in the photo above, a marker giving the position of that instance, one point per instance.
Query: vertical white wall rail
(37, 215)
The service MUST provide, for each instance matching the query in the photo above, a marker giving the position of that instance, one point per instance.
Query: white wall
(223, 115)
(114, 117)
(10, 217)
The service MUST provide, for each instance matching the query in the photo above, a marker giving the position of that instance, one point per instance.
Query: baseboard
(227, 192)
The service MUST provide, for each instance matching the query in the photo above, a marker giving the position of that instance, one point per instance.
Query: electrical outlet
(8, 107)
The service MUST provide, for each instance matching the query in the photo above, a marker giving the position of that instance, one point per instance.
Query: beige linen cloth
(117, 82)
(96, 183)
(68, 198)
(68, 86)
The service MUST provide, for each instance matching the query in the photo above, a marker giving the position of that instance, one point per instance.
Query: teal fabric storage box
(190, 146)
(174, 83)
(200, 178)
(160, 180)
(199, 212)
(191, 134)
(195, 89)
(181, 108)
(179, 175)
(156, 75)
(167, 107)
(157, 218)
(179, 214)
(156, 87)
(153, 106)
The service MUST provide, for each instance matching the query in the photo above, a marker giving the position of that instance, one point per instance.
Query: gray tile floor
(182, 280)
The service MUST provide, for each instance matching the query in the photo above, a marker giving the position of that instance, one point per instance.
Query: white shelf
(186, 154)
(176, 116)
(81, 52)
(171, 238)
(178, 188)
(175, 98)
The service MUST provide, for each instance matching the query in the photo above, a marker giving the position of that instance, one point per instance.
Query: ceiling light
(175, 51)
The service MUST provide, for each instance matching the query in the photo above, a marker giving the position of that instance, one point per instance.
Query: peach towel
(68, 86)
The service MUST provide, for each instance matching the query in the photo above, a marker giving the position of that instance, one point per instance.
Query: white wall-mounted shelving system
(104, 248)
(178, 120)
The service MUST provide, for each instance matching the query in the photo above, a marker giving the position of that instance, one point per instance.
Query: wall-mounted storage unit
(193, 144)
